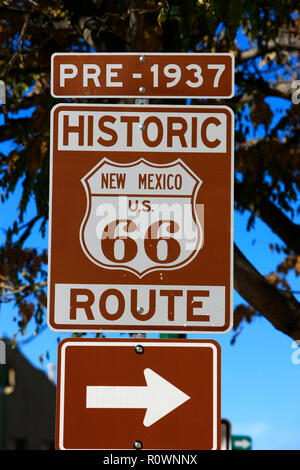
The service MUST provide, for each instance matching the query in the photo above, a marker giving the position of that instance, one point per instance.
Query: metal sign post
(226, 434)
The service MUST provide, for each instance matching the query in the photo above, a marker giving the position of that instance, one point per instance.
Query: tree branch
(279, 307)
(136, 26)
(29, 227)
(279, 223)
(281, 89)
(13, 128)
(286, 40)
(7, 291)
(20, 47)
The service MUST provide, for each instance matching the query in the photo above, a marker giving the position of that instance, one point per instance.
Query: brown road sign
(141, 218)
(138, 75)
(130, 393)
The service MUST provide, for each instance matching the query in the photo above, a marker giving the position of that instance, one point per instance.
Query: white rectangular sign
(192, 306)
(141, 131)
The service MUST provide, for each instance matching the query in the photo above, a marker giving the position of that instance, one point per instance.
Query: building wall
(27, 409)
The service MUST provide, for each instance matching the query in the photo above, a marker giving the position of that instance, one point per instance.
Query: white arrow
(243, 443)
(159, 397)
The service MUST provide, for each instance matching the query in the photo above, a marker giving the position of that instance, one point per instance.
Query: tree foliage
(264, 36)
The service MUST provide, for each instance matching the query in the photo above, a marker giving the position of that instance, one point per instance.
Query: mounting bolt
(139, 349)
(142, 89)
(138, 445)
(142, 58)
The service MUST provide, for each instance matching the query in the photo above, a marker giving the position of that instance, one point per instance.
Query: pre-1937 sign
(141, 218)
(136, 75)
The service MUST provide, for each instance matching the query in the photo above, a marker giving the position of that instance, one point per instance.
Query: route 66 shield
(141, 217)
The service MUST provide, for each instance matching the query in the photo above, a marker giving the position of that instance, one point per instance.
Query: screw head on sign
(141, 127)
(138, 445)
(140, 310)
(142, 89)
(142, 58)
(139, 349)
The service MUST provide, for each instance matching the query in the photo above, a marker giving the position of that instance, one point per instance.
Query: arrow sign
(244, 443)
(241, 442)
(93, 386)
(159, 397)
